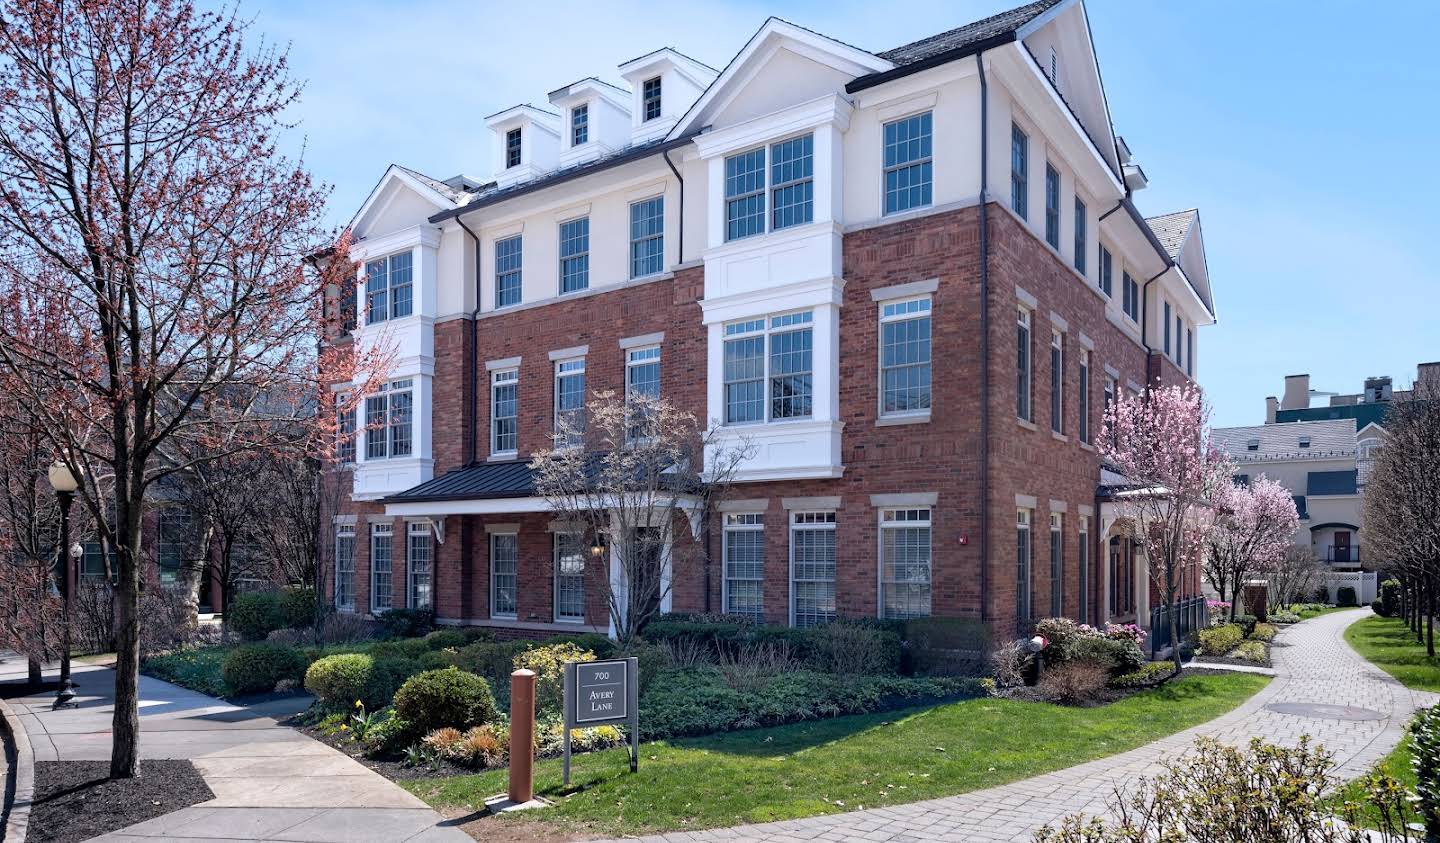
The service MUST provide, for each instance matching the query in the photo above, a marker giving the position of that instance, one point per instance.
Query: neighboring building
(917, 323)
(1322, 455)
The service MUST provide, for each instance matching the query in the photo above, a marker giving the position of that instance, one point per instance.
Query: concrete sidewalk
(270, 782)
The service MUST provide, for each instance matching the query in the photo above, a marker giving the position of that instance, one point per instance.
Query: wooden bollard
(522, 737)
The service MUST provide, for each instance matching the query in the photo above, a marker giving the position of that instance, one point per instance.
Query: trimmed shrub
(436, 659)
(1263, 632)
(405, 648)
(255, 668)
(1115, 656)
(847, 648)
(1219, 640)
(1250, 651)
(1389, 599)
(942, 646)
(1148, 674)
(1284, 616)
(1073, 682)
(407, 623)
(600, 645)
(491, 659)
(1345, 596)
(548, 662)
(651, 659)
(255, 615)
(1425, 747)
(298, 607)
(345, 628)
(448, 697)
(719, 634)
(390, 674)
(338, 681)
(443, 638)
(1246, 623)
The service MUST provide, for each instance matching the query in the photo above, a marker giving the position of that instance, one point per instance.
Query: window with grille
(1107, 269)
(388, 419)
(389, 287)
(1052, 206)
(570, 553)
(907, 164)
(570, 403)
(579, 125)
(512, 148)
(792, 182)
(345, 432)
(507, 271)
(1022, 566)
(345, 567)
(647, 237)
(381, 559)
(1019, 171)
(642, 378)
(1022, 364)
(574, 255)
(1057, 382)
(812, 568)
(1057, 565)
(769, 355)
(745, 564)
(650, 99)
(905, 589)
(174, 539)
(504, 411)
(1084, 397)
(1080, 244)
(905, 357)
(745, 194)
(1084, 560)
(504, 572)
(419, 558)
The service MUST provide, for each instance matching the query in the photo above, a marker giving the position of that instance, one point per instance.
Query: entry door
(1342, 545)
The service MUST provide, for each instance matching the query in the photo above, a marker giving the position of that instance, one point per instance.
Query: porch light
(597, 549)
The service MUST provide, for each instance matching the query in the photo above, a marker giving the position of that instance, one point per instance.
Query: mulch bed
(391, 768)
(75, 800)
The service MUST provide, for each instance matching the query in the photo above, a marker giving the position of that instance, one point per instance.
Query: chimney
(1297, 393)
(1428, 377)
(1271, 405)
(1378, 390)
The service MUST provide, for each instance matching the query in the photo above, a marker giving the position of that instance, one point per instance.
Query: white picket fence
(1366, 585)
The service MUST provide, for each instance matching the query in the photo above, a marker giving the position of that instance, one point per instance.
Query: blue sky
(1298, 128)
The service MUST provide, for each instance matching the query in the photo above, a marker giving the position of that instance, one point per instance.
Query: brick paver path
(1313, 665)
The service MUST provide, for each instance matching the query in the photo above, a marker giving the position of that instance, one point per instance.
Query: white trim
(1086, 343)
(503, 363)
(565, 353)
(825, 503)
(1059, 506)
(1025, 501)
(1027, 301)
(744, 505)
(900, 291)
(1059, 322)
(502, 528)
(905, 499)
(917, 104)
(1112, 372)
(830, 109)
(342, 519)
(1085, 510)
(656, 338)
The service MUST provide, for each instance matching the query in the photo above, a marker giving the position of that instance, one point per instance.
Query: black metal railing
(1343, 555)
(1192, 614)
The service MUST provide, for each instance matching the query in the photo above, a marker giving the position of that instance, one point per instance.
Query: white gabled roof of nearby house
(1328, 439)
(443, 196)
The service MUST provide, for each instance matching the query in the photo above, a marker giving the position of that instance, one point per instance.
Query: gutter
(472, 360)
(984, 340)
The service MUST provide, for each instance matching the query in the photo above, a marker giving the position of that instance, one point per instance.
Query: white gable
(1060, 40)
(399, 201)
(804, 80)
(1192, 261)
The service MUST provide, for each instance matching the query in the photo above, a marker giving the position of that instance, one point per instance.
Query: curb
(17, 817)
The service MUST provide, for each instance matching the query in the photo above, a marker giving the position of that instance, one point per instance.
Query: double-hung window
(1107, 269)
(570, 403)
(1084, 559)
(345, 432)
(792, 182)
(1111, 390)
(1022, 566)
(647, 237)
(1080, 244)
(419, 559)
(507, 271)
(905, 556)
(1179, 349)
(909, 172)
(1130, 301)
(745, 194)
(905, 357)
(1084, 398)
(1019, 171)
(512, 148)
(642, 381)
(1057, 381)
(387, 421)
(504, 411)
(745, 564)
(389, 287)
(1022, 365)
(773, 355)
(650, 99)
(381, 558)
(1166, 322)
(174, 541)
(1052, 206)
(574, 255)
(579, 125)
(1190, 352)
(812, 568)
(570, 553)
(345, 567)
(1057, 565)
(504, 573)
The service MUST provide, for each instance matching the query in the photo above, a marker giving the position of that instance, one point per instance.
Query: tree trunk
(33, 667)
(1430, 621)
(1172, 611)
(125, 725)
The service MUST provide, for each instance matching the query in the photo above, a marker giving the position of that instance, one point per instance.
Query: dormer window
(579, 125)
(1304, 441)
(650, 99)
(512, 148)
(1252, 445)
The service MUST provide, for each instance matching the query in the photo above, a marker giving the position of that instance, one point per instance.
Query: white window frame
(582, 112)
(892, 520)
(494, 590)
(886, 170)
(347, 437)
(638, 358)
(569, 368)
(741, 522)
(1025, 321)
(378, 531)
(1084, 432)
(1057, 382)
(419, 530)
(388, 429)
(768, 187)
(499, 378)
(1025, 581)
(1057, 564)
(634, 241)
(1084, 568)
(767, 327)
(556, 540)
(342, 532)
(561, 257)
(908, 309)
(818, 521)
(387, 313)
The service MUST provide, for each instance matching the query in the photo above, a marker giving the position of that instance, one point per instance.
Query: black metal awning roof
(513, 479)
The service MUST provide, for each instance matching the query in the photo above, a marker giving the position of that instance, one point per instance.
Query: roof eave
(874, 79)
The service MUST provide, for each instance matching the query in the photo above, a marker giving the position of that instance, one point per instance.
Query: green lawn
(1389, 645)
(1307, 614)
(1397, 765)
(848, 762)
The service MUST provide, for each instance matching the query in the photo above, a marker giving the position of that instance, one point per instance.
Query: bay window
(769, 355)
(388, 416)
(389, 287)
(791, 187)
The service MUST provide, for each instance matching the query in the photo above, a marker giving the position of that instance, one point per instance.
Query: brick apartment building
(929, 254)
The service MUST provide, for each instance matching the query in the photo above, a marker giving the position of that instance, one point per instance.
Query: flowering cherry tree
(1158, 442)
(1254, 526)
(152, 284)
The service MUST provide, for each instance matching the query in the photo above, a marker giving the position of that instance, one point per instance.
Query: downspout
(1144, 322)
(984, 341)
(680, 253)
(472, 361)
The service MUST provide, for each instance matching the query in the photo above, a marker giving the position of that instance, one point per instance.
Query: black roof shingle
(485, 480)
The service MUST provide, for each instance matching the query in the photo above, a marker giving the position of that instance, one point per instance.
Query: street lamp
(64, 482)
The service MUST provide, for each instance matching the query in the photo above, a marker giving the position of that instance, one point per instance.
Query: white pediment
(399, 201)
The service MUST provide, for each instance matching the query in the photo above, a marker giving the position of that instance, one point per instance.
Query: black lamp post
(63, 481)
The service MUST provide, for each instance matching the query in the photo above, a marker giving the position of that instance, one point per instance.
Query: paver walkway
(270, 782)
(1313, 665)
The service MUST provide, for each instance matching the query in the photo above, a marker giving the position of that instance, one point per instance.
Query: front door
(1342, 545)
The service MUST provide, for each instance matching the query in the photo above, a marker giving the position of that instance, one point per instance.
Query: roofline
(596, 79)
(470, 496)
(662, 49)
(900, 72)
(600, 166)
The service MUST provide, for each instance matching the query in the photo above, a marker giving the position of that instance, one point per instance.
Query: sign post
(604, 693)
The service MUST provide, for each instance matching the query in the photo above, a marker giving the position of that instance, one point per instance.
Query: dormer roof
(693, 69)
(592, 86)
(516, 113)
